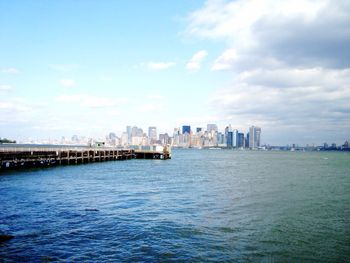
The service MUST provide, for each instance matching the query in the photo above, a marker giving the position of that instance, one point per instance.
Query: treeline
(4, 140)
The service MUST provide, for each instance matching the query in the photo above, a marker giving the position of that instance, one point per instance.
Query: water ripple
(201, 206)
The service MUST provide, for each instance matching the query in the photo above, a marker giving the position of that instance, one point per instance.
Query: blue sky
(91, 67)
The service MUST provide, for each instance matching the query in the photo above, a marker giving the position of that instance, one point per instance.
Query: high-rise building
(240, 140)
(254, 137)
(247, 141)
(212, 127)
(229, 139)
(234, 138)
(134, 131)
(124, 139)
(164, 139)
(228, 129)
(186, 129)
(152, 133)
(220, 138)
(128, 132)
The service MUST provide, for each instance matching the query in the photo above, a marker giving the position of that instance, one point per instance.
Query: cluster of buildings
(186, 137)
(212, 137)
(334, 147)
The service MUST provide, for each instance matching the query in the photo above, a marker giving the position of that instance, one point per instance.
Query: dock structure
(35, 156)
(162, 155)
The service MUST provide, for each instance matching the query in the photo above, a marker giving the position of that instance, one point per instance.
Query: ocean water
(200, 206)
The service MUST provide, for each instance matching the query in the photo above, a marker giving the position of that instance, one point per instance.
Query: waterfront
(202, 205)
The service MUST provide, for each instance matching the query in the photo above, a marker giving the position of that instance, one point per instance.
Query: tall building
(212, 127)
(124, 139)
(220, 138)
(240, 140)
(164, 139)
(152, 133)
(229, 139)
(186, 129)
(254, 137)
(247, 141)
(134, 131)
(128, 131)
(234, 138)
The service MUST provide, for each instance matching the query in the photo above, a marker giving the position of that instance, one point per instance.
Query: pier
(13, 157)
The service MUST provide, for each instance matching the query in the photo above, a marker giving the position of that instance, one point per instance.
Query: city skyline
(185, 136)
(88, 68)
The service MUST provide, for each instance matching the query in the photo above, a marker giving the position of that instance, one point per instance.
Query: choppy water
(203, 205)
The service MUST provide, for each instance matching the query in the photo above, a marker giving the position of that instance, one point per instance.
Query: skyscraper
(152, 133)
(229, 139)
(128, 132)
(254, 137)
(234, 138)
(240, 140)
(186, 129)
(212, 127)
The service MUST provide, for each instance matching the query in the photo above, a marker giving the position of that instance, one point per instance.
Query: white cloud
(67, 83)
(160, 65)
(63, 67)
(17, 105)
(10, 71)
(318, 99)
(196, 60)
(235, 19)
(289, 63)
(225, 61)
(297, 32)
(6, 87)
(91, 101)
(12, 106)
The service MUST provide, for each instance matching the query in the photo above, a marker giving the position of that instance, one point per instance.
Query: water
(203, 205)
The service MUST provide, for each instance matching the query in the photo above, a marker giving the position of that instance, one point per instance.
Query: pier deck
(25, 157)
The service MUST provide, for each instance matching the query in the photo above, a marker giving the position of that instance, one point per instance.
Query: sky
(94, 67)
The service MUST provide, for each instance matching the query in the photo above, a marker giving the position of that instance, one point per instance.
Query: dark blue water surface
(200, 206)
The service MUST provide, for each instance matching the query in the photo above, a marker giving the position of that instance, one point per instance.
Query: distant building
(229, 139)
(129, 133)
(164, 139)
(134, 131)
(234, 138)
(152, 134)
(212, 127)
(186, 129)
(112, 136)
(137, 140)
(254, 137)
(124, 140)
(240, 140)
(220, 138)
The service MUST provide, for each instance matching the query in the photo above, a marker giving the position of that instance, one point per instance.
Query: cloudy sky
(91, 67)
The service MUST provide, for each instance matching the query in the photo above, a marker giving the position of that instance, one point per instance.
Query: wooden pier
(27, 157)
